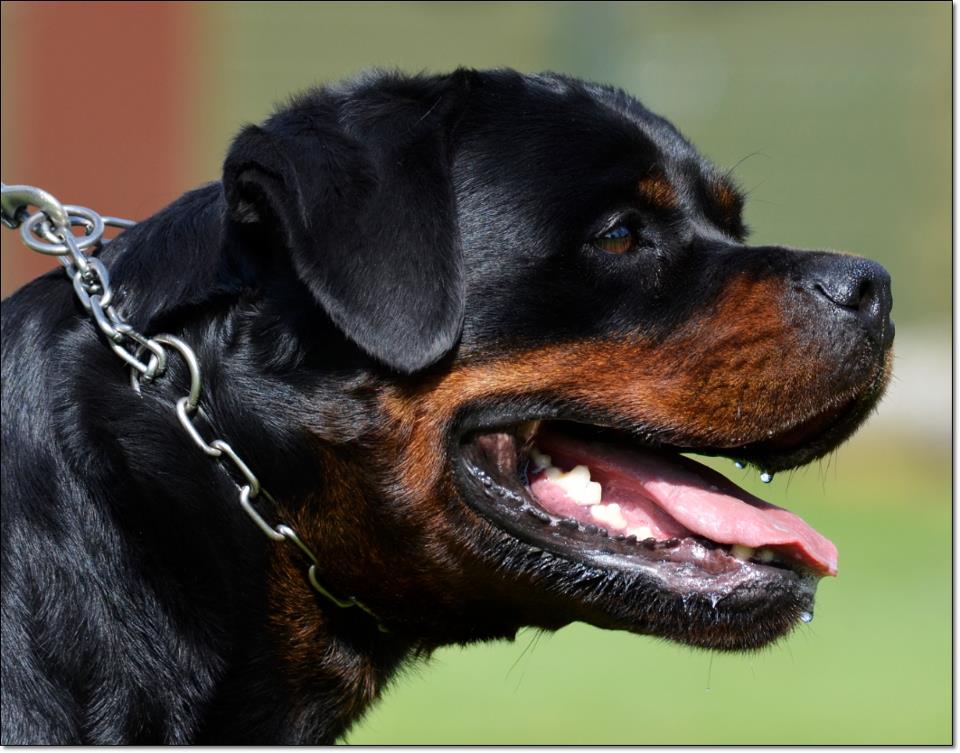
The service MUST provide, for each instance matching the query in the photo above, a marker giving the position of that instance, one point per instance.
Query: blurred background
(837, 117)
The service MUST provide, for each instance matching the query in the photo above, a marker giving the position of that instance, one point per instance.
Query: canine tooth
(541, 461)
(527, 429)
(739, 465)
(765, 555)
(741, 552)
(641, 532)
(766, 477)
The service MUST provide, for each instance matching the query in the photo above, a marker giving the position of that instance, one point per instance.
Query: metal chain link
(49, 231)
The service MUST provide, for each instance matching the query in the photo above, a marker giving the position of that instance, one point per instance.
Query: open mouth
(599, 497)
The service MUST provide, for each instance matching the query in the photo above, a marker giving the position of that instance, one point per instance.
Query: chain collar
(49, 231)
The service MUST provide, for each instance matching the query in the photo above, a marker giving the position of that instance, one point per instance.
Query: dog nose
(860, 288)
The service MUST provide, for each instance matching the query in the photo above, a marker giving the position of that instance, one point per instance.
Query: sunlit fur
(384, 261)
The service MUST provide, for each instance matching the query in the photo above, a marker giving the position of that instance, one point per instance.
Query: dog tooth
(576, 483)
(766, 477)
(641, 532)
(739, 465)
(610, 515)
(527, 429)
(593, 492)
(575, 477)
(579, 474)
(765, 555)
(541, 461)
(742, 553)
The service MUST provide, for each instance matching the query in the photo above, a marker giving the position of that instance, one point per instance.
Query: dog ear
(357, 189)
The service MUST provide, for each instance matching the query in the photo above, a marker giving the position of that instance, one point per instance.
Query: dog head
(485, 314)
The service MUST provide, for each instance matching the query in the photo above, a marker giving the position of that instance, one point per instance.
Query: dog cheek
(382, 528)
(746, 369)
(755, 363)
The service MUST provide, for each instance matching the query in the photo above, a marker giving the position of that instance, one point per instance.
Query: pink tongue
(698, 498)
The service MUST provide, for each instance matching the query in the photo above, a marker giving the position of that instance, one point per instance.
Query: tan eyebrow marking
(656, 189)
(726, 197)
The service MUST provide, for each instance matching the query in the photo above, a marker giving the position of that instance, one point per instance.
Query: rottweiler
(464, 329)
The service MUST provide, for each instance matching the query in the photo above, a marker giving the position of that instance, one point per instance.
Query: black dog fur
(367, 241)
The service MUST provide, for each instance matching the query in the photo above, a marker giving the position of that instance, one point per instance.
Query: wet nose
(860, 288)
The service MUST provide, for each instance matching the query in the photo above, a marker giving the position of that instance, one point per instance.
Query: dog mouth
(604, 499)
(579, 481)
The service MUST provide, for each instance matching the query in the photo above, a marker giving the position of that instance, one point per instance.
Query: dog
(462, 328)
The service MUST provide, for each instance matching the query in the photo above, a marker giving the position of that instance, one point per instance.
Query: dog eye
(618, 240)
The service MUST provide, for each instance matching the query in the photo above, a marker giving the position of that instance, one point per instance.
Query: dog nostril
(864, 294)
(861, 287)
(846, 293)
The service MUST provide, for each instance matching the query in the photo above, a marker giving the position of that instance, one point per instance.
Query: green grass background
(838, 116)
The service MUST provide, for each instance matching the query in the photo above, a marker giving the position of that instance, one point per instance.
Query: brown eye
(617, 240)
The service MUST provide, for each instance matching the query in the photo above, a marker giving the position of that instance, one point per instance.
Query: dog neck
(305, 674)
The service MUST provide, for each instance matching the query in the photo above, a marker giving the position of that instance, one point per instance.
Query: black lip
(768, 454)
(827, 438)
(505, 502)
(738, 606)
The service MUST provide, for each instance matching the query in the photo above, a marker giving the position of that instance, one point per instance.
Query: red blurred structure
(105, 91)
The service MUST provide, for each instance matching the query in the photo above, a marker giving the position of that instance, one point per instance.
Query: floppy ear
(357, 190)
